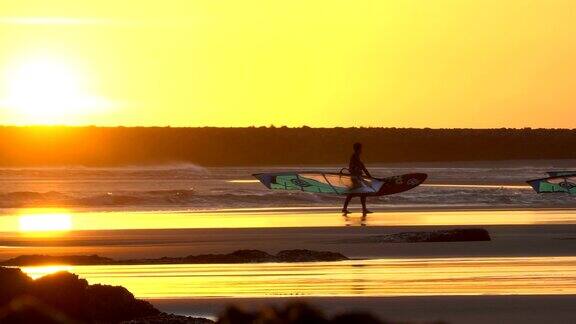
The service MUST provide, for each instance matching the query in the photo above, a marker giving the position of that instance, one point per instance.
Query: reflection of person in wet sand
(356, 168)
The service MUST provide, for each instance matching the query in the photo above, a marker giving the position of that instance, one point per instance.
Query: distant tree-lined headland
(210, 146)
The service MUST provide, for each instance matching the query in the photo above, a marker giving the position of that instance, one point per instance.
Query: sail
(318, 182)
(565, 184)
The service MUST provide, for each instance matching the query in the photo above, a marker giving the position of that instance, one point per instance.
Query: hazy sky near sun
(403, 63)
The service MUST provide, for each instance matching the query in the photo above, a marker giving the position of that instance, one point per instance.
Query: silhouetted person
(356, 168)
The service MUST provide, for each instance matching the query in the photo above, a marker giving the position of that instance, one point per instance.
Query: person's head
(357, 148)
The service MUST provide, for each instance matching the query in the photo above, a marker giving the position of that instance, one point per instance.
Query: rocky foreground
(240, 256)
(64, 298)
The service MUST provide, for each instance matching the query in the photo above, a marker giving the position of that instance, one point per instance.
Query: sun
(45, 223)
(36, 272)
(48, 91)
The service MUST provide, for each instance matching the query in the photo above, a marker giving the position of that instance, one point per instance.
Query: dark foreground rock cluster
(451, 235)
(164, 318)
(296, 313)
(240, 256)
(64, 298)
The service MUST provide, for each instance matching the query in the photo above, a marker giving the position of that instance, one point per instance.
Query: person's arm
(365, 170)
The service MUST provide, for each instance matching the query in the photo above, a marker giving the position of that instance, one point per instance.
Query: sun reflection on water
(368, 278)
(44, 222)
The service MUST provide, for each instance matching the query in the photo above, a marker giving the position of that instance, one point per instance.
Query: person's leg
(363, 201)
(346, 202)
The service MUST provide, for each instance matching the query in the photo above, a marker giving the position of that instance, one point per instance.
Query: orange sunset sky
(404, 63)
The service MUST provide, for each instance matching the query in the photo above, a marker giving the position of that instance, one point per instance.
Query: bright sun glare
(41, 271)
(47, 91)
(45, 223)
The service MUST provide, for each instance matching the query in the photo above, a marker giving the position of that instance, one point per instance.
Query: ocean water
(190, 187)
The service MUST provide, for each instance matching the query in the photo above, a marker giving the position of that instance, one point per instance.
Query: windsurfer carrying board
(356, 168)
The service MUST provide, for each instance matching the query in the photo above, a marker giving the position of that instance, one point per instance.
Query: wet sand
(507, 240)
(155, 234)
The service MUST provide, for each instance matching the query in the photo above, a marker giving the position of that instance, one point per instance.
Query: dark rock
(363, 318)
(33, 260)
(13, 282)
(63, 291)
(124, 305)
(28, 309)
(169, 319)
(255, 255)
(453, 235)
(240, 256)
(308, 256)
(293, 313)
(63, 297)
(235, 315)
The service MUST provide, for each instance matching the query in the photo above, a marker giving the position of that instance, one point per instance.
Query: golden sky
(403, 63)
